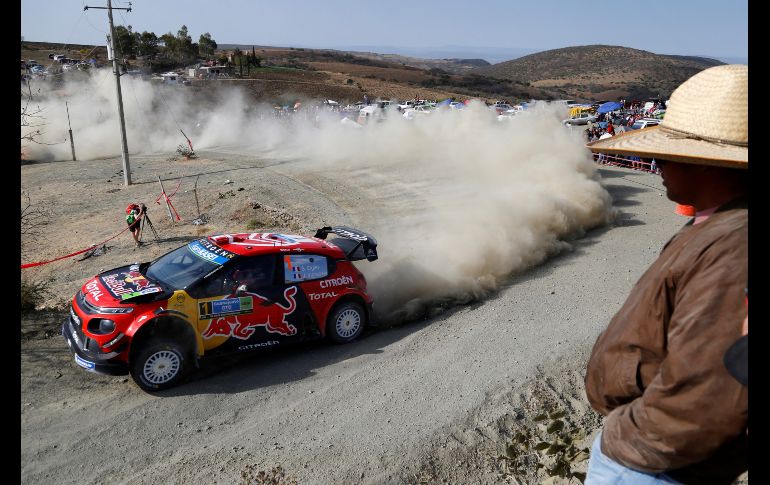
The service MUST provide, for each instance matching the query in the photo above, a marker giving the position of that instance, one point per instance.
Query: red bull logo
(242, 326)
(131, 283)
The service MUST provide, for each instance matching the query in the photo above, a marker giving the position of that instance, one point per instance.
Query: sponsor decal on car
(272, 316)
(299, 267)
(260, 344)
(208, 251)
(75, 317)
(228, 306)
(75, 336)
(84, 363)
(321, 296)
(127, 283)
(146, 291)
(342, 280)
(93, 289)
(350, 235)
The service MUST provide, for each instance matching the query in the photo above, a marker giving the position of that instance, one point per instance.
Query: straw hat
(706, 123)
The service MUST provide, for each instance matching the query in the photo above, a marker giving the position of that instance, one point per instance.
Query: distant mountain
(454, 66)
(490, 54)
(601, 71)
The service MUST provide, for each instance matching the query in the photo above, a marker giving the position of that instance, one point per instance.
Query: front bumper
(91, 360)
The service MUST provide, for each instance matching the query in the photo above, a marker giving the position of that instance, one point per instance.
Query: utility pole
(116, 70)
(72, 141)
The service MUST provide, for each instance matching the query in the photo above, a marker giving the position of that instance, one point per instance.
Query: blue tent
(609, 106)
(446, 102)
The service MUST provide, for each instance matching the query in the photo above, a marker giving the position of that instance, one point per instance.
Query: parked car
(644, 123)
(501, 108)
(583, 118)
(419, 110)
(220, 294)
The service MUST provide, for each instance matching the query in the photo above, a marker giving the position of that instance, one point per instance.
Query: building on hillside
(209, 72)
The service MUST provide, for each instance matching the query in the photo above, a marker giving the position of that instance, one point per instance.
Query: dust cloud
(459, 201)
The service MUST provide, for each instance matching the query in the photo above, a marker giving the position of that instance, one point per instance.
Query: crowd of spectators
(614, 122)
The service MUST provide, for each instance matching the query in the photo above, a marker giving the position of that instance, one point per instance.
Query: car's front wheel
(159, 365)
(346, 322)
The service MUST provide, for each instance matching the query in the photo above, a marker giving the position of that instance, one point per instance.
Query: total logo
(94, 290)
(342, 280)
(321, 296)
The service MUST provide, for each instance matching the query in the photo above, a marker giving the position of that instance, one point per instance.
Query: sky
(494, 29)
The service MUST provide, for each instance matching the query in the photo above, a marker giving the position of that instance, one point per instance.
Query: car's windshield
(637, 125)
(187, 264)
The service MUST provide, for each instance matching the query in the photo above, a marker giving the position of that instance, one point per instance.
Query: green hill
(601, 71)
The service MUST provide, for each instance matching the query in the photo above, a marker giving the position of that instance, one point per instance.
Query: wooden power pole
(116, 70)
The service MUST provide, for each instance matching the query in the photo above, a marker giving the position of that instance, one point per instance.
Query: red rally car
(224, 293)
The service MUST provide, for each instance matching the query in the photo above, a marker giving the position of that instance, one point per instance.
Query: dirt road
(432, 399)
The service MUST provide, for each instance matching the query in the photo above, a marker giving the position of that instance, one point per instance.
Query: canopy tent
(446, 102)
(609, 106)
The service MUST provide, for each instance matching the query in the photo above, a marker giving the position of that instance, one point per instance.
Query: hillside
(287, 74)
(601, 71)
(455, 66)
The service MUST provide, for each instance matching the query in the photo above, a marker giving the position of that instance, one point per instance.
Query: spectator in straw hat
(673, 413)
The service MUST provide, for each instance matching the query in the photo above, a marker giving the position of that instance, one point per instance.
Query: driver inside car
(252, 278)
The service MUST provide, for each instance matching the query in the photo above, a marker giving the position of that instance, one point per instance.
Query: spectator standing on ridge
(673, 413)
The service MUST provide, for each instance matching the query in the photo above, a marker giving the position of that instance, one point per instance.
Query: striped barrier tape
(40, 263)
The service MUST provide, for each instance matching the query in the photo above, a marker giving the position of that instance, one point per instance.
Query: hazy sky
(688, 27)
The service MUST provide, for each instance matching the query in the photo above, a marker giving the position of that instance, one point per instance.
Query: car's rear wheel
(346, 322)
(159, 365)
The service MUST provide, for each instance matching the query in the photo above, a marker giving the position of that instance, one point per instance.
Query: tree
(146, 43)
(206, 45)
(31, 118)
(238, 57)
(180, 47)
(253, 60)
(169, 45)
(125, 42)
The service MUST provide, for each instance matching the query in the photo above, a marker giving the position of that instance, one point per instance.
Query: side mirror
(241, 290)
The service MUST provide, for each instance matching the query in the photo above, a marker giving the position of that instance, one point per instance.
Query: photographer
(134, 214)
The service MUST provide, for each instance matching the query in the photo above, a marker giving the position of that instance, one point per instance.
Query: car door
(310, 272)
(243, 306)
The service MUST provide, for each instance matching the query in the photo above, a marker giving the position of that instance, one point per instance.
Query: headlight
(101, 326)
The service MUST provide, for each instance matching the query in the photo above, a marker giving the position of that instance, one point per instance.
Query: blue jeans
(602, 470)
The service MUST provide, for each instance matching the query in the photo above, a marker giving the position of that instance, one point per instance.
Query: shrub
(185, 152)
(33, 293)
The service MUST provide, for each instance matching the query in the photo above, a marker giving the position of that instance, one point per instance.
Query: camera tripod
(146, 220)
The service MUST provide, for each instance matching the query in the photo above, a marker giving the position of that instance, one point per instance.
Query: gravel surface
(435, 399)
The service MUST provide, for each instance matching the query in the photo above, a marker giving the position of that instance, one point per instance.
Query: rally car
(220, 294)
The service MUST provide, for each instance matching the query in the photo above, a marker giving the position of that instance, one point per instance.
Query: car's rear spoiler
(356, 244)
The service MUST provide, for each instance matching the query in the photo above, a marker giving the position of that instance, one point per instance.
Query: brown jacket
(657, 373)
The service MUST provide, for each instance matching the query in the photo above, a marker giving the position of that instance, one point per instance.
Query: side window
(255, 272)
(304, 267)
(215, 285)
